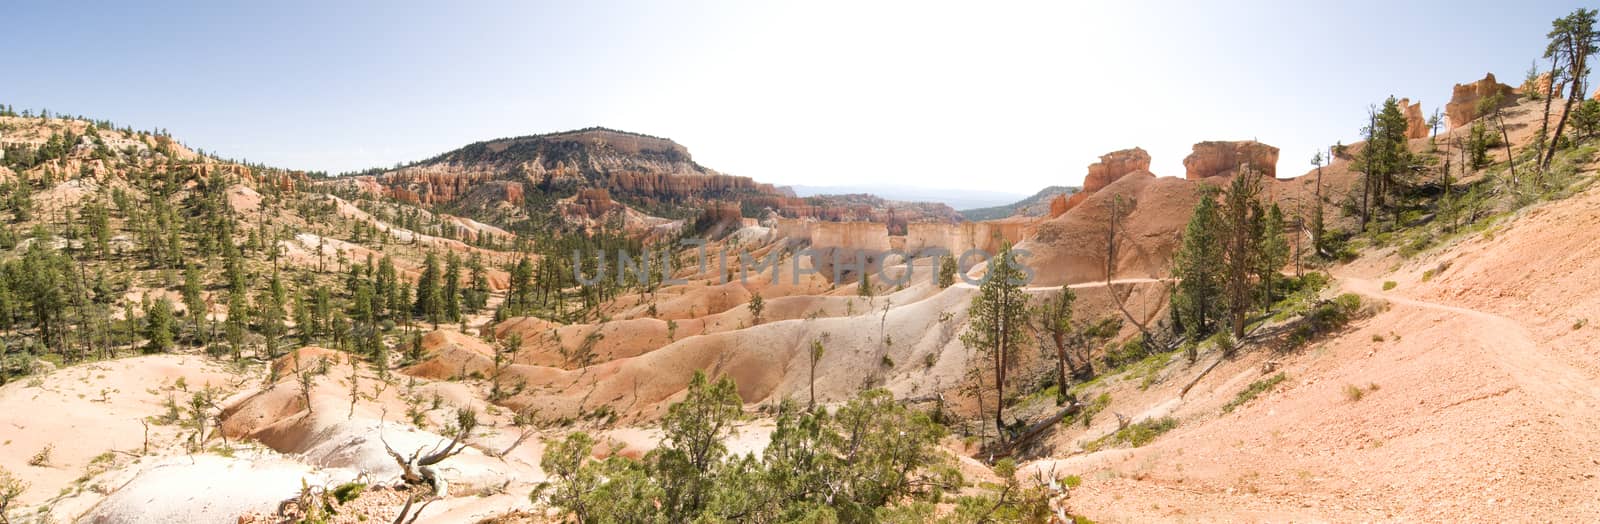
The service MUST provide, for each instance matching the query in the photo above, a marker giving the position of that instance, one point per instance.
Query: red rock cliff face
(1211, 159)
(1464, 98)
(1112, 166)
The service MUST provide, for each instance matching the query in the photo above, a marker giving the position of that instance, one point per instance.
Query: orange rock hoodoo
(1112, 166)
(1416, 125)
(1211, 159)
(1464, 99)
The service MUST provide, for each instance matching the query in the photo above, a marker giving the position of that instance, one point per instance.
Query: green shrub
(348, 491)
(1416, 245)
(1389, 284)
(1252, 391)
(1135, 435)
(1325, 317)
(1094, 407)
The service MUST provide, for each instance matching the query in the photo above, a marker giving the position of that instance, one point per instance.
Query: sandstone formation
(1058, 205)
(1464, 99)
(1112, 166)
(1416, 125)
(1540, 85)
(1211, 159)
(628, 169)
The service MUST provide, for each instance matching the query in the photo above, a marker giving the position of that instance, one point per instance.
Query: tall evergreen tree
(1573, 38)
(1274, 251)
(1241, 219)
(996, 321)
(477, 294)
(194, 302)
(159, 324)
(430, 303)
(237, 326)
(452, 288)
(1198, 267)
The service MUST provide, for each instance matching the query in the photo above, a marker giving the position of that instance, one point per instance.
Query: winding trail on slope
(1571, 395)
(963, 284)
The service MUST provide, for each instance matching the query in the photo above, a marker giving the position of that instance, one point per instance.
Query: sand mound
(206, 488)
(82, 412)
(451, 354)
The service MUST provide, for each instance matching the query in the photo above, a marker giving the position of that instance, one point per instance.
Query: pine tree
(1383, 160)
(386, 290)
(305, 320)
(1055, 322)
(159, 326)
(1241, 219)
(236, 327)
(477, 294)
(1198, 267)
(269, 316)
(519, 299)
(452, 288)
(995, 322)
(1274, 251)
(757, 305)
(947, 272)
(429, 303)
(1318, 224)
(1573, 38)
(194, 302)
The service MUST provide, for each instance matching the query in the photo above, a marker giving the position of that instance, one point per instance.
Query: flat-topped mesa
(623, 142)
(1416, 125)
(1464, 99)
(1219, 158)
(1112, 166)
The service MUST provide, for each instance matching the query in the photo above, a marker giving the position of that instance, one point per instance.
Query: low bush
(1135, 435)
(1252, 391)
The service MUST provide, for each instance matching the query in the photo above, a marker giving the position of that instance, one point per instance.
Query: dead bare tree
(1113, 226)
(417, 468)
(406, 510)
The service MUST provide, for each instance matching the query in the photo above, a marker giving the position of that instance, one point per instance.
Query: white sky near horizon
(1002, 96)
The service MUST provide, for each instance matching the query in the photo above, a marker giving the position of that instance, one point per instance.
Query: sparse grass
(1325, 317)
(1415, 246)
(1252, 391)
(1135, 435)
(1355, 393)
(1580, 323)
(1377, 337)
(1148, 370)
(1094, 407)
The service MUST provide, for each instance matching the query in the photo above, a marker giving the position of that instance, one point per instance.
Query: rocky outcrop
(607, 169)
(1464, 99)
(1112, 166)
(1416, 125)
(1058, 206)
(1540, 85)
(1211, 159)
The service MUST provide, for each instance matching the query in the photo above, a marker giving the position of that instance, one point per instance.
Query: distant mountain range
(1033, 206)
(955, 198)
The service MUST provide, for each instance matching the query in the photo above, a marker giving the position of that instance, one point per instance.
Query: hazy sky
(1007, 96)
